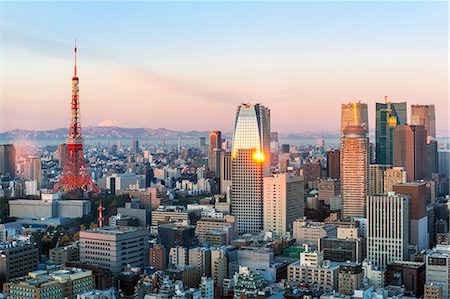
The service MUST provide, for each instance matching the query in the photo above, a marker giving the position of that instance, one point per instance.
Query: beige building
(350, 278)
(283, 202)
(393, 176)
(314, 271)
(207, 225)
(329, 188)
(376, 178)
(309, 232)
(60, 255)
(433, 291)
(354, 171)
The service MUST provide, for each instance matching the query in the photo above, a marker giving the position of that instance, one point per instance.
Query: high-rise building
(388, 116)
(135, 147)
(17, 259)
(250, 159)
(432, 158)
(215, 140)
(424, 115)
(7, 160)
(157, 257)
(225, 173)
(201, 141)
(354, 114)
(392, 176)
(409, 150)
(215, 148)
(354, 171)
(350, 278)
(418, 227)
(283, 202)
(376, 178)
(34, 170)
(62, 154)
(334, 164)
(329, 188)
(388, 226)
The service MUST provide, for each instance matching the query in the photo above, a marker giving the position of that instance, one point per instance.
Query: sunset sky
(187, 65)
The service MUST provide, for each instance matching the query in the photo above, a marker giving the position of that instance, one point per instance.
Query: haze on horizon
(187, 65)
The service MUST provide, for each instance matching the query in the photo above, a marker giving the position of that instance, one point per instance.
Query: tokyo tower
(75, 175)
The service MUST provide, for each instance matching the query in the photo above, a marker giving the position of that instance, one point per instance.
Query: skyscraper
(392, 176)
(354, 114)
(354, 171)
(409, 149)
(334, 164)
(135, 147)
(376, 178)
(388, 226)
(250, 158)
(215, 147)
(283, 202)
(225, 173)
(388, 116)
(424, 115)
(7, 160)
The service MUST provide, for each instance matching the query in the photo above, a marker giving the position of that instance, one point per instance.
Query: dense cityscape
(242, 218)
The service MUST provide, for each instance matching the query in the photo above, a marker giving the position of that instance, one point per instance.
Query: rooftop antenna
(75, 67)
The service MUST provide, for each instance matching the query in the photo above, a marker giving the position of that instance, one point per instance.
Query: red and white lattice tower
(100, 210)
(75, 175)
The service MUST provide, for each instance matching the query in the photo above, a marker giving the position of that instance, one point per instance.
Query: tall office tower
(215, 148)
(225, 173)
(135, 147)
(376, 178)
(409, 150)
(62, 154)
(334, 164)
(354, 171)
(388, 226)
(393, 176)
(432, 158)
(354, 114)
(34, 170)
(250, 158)
(388, 116)
(283, 202)
(75, 174)
(418, 212)
(215, 140)
(424, 115)
(7, 160)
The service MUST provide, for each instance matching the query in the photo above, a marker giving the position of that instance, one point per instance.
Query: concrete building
(122, 181)
(208, 225)
(61, 255)
(388, 227)
(223, 263)
(166, 214)
(309, 232)
(17, 258)
(132, 209)
(409, 150)
(418, 228)
(250, 159)
(178, 257)
(114, 248)
(354, 171)
(437, 265)
(334, 164)
(407, 274)
(171, 235)
(350, 278)
(53, 284)
(376, 178)
(200, 259)
(393, 176)
(433, 291)
(329, 188)
(225, 173)
(7, 160)
(157, 257)
(342, 249)
(314, 271)
(283, 202)
(49, 206)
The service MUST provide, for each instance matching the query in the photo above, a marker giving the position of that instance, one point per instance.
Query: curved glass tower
(250, 158)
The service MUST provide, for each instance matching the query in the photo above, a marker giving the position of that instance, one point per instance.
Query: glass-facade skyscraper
(250, 158)
(388, 116)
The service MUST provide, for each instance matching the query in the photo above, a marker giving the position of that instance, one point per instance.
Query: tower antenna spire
(75, 66)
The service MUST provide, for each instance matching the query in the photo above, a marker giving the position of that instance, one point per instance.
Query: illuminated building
(376, 178)
(354, 171)
(250, 159)
(353, 114)
(388, 116)
(424, 115)
(392, 176)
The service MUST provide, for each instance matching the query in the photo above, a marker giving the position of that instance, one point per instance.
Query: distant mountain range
(101, 132)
